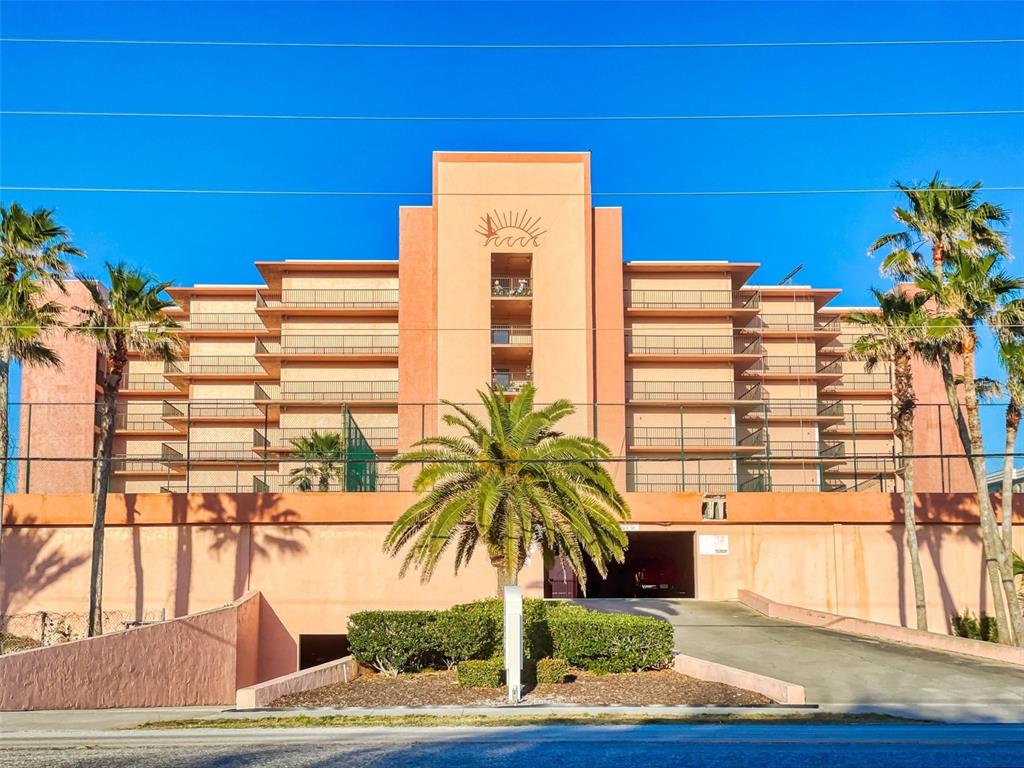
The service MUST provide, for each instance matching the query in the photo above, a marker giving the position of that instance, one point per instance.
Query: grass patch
(495, 721)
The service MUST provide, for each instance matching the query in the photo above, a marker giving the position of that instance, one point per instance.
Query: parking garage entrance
(657, 564)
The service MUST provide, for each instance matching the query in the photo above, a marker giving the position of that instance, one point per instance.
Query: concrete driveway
(838, 670)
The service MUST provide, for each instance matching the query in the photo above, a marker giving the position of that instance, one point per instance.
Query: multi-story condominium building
(696, 376)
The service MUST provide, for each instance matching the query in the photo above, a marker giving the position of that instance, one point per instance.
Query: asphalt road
(763, 746)
(838, 669)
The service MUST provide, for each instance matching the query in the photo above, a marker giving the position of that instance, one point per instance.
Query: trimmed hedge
(551, 671)
(409, 641)
(480, 673)
(611, 642)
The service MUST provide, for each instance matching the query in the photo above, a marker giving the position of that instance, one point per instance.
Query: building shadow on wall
(26, 570)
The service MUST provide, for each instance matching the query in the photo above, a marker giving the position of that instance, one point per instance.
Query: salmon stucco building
(754, 454)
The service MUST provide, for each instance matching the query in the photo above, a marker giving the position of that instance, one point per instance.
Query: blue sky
(212, 239)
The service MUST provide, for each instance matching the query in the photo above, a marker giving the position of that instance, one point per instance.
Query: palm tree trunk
(997, 560)
(904, 418)
(101, 482)
(1012, 425)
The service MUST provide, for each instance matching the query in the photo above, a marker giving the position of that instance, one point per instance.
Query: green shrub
(610, 642)
(480, 673)
(551, 671)
(982, 627)
(393, 641)
(463, 634)
(537, 642)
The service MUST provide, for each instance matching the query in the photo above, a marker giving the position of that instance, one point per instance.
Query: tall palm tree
(509, 483)
(324, 461)
(941, 217)
(1011, 355)
(34, 249)
(125, 317)
(894, 333)
(970, 292)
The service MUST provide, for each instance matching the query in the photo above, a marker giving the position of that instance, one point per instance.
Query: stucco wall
(195, 660)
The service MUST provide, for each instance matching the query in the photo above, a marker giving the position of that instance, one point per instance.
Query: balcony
(692, 347)
(146, 383)
(856, 422)
(871, 464)
(694, 392)
(647, 301)
(329, 298)
(511, 382)
(784, 367)
(797, 410)
(215, 367)
(213, 324)
(769, 323)
(141, 423)
(666, 482)
(511, 335)
(227, 453)
(281, 483)
(688, 439)
(822, 487)
(870, 383)
(214, 410)
(279, 440)
(511, 287)
(330, 391)
(124, 464)
(323, 347)
(805, 451)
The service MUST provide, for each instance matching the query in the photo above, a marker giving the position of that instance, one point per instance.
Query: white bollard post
(514, 643)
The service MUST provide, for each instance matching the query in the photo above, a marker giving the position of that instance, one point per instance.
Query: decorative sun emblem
(505, 229)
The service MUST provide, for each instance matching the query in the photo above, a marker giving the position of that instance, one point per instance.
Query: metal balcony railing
(331, 298)
(127, 463)
(804, 449)
(795, 322)
(341, 344)
(651, 344)
(807, 408)
(704, 483)
(337, 390)
(282, 437)
(511, 335)
(678, 438)
(864, 381)
(867, 421)
(281, 483)
(223, 409)
(140, 422)
(798, 365)
(693, 390)
(865, 464)
(220, 451)
(224, 321)
(173, 452)
(226, 365)
(173, 410)
(146, 382)
(658, 298)
(511, 287)
(511, 381)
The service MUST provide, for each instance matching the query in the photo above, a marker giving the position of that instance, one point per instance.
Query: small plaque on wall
(713, 545)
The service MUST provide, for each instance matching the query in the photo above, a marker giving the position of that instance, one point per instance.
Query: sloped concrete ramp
(838, 670)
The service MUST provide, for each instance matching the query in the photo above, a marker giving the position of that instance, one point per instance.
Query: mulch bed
(431, 689)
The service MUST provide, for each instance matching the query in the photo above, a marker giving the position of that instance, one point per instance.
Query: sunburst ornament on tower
(510, 229)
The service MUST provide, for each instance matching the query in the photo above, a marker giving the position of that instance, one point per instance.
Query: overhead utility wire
(508, 118)
(510, 46)
(392, 193)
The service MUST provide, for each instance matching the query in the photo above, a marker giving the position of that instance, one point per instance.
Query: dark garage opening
(319, 649)
(658, 564)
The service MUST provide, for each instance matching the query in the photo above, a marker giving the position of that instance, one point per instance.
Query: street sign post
(514, 643)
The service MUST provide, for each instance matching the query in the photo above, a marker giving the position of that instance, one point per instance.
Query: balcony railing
(792, 322)
(804, 408)
(864, 381)
(341, 344)
(223, 409)
(867, 465)
(126, 463)
(511, 381)
(220, 451)
(331, 298)
(281, 483)
(240, 365)
(704, 483)
(800, 365)
(140, 422)
(337, 390)
(511, 287)
(693, 390)
(146, 382)
(282, 437)
(804, 449)
(693, 344)
(823, 487)
(511, 335)
(867, 421)
(657, 298)
(678, 438)
(224, 321)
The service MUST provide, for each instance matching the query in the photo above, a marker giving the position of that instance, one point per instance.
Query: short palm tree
(323, 455)
(971, 291)
(941, 217)
(34, 250)
(508, 483)
(125, 317)
(894, 334)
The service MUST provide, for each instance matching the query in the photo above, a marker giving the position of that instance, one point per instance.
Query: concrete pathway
(838, 670)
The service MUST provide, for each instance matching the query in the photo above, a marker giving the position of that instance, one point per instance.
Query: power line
(396, 193)
(509, 46)
(509, 118)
